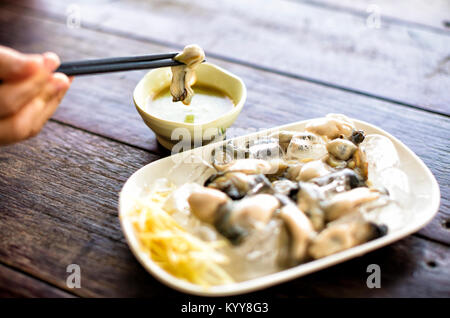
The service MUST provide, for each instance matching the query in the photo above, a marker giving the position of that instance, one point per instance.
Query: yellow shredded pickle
(169, 245)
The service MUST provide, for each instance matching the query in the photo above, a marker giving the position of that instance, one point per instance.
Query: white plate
(422, 206)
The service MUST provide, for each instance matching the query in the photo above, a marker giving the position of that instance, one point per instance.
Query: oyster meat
(183, 76)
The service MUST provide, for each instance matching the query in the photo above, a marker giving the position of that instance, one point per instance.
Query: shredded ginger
(169, 245)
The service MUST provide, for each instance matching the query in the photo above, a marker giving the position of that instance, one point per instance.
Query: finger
(51, 61)
(50, 98)
(32, 117)
(60, 85)
(11, 103)
(49, 110)
(62, 80)
(15, 95)
(15, 65)
(56, 83)
(20, 125)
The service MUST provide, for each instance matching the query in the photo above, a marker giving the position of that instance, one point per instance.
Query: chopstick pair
(117, 64)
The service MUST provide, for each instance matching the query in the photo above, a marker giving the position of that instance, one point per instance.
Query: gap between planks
(42, 14)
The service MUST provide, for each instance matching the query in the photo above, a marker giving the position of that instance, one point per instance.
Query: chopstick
(117, 64)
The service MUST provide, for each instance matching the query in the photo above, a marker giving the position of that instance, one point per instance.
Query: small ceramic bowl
(207, 74)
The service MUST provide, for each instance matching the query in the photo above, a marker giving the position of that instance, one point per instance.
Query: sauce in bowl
(207, 104)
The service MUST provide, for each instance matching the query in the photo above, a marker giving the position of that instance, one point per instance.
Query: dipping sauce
(207, 104)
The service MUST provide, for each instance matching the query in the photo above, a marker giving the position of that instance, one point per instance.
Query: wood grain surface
(334, 48)
(59, 190)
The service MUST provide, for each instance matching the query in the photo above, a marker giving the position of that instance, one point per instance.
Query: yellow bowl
(168, 132)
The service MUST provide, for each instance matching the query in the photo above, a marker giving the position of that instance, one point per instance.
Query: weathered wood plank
(58, 207)
(434, 14)
(396, 62)
(103, 104)
(14, 284)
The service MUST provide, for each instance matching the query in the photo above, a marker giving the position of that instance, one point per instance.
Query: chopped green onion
(189, 119)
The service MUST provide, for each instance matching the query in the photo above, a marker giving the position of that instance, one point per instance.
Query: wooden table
(299, 60)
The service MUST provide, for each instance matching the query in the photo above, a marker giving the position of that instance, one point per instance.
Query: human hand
(29, 93)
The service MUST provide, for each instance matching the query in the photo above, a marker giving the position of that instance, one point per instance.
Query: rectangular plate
(423, 204)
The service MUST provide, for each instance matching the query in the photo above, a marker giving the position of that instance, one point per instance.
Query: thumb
(15, 65)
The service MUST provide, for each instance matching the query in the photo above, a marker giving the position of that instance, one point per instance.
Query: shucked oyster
(332, 126)
(300, 229)
(265, 148)
(233, 219)
(183, 76)
(237, 184)
(340, 236)
(306, 146)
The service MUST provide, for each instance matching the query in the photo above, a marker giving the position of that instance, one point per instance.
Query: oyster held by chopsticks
(183, 76)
